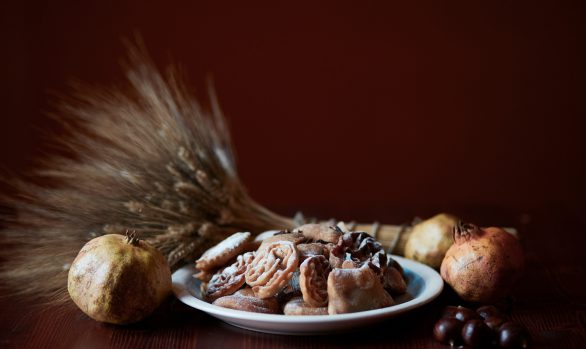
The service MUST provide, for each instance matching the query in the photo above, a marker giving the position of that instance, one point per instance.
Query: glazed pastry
(358, 289)
(223, 252)
(228, 280)
(272, 268)
(313, 278)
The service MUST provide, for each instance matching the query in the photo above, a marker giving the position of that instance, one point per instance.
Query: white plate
(423, 285)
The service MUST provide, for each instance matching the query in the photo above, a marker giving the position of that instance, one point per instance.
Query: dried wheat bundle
(146, 158)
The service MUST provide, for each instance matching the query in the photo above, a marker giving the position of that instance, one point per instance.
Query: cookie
(223, 252)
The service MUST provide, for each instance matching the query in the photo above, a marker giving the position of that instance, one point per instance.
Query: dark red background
(360, 108)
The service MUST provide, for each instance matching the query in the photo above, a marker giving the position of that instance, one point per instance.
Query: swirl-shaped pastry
(229, 279)
(272, 268)
(313, 280)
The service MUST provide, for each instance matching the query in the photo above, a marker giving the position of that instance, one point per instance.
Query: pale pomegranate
(118, 279)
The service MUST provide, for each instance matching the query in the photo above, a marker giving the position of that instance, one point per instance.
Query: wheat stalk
(146, 158)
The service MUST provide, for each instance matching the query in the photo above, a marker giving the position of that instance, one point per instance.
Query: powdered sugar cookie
(223, 252)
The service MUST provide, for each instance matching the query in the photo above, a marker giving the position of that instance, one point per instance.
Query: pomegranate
(118, 279)
(430, 239)
(483, 264)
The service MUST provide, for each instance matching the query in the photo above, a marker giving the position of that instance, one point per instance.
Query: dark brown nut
(448, 331)
(460, 313)
(489, 311)
(511, 335)
(475, 333)
(494, 322)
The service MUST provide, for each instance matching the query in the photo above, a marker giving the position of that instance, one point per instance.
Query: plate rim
(432, 288)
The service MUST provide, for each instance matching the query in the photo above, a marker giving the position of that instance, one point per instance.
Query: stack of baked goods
(315, 269)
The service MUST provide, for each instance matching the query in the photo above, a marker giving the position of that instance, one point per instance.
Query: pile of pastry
(314, 270)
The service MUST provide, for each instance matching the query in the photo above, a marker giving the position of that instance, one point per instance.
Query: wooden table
(550, 301)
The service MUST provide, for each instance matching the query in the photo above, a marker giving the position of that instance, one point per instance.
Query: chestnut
(460, 313)
(512, 335)
(494, 322)
(489, 311)
(475, 333)
(448, 331)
